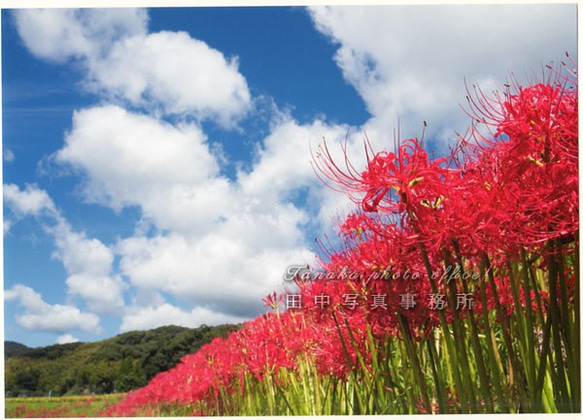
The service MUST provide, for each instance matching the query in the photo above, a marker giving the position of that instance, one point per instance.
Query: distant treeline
(122, 363)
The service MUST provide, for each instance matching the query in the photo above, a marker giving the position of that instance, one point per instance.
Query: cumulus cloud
(61, 34)
(219, 246)
(164, 72)
(225, 273)
(173, 73)
(283, 163)
(41, 316)
(409, 62)
(284, 168)
(31, 201)
(136, 147)
(144, 317)
(226, 245)
(89, 265)
(230, 267)
(65, 339)
(103, 294)
(222, 243)
(139, 160)
(87, 260)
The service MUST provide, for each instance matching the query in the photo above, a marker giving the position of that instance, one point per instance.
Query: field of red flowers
(456, 289)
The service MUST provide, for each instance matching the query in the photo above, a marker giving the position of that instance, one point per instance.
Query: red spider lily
(393, 182)
(273, 301)
(506, 198)
(532, 176)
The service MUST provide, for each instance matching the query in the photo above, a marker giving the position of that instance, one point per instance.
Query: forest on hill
(122, 363)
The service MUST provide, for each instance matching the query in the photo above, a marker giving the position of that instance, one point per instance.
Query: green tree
(27, 380)
(130, 375)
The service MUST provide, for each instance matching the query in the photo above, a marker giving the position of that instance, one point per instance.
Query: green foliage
(11, 349)
(130, 376)
(119, 364)
(51, 352)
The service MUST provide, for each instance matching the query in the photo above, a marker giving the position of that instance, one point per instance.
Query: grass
(71, 406)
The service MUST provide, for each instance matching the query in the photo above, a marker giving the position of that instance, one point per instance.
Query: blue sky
(156, 162)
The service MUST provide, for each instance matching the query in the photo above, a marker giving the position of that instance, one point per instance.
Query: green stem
(543, 359)
(437, 378)
(570, 349)
(418, 373)
(475, 340)
(461, 395)
(495, 367)
(460, 334)
(505, 328)
(561, 393)
(521, 329)
(529, 330)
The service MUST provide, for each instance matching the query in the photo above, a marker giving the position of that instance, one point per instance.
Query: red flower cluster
(494, 199)
(261, 347)
(497, 199)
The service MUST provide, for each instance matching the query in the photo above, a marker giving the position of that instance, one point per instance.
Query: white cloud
(409, 62)
(146, 317)
(80, 254)
(40, 316)
(223, 243)
(31, 201)
(173, 73)
(60, 34)
(137, 160)
(133, 149)
(283, 163)
(66, 338)
(8, 156)
(89, 265)
(87, 261)
(103, 294)
(227, 243)
(226, 273)
(284, 167)
(163, 72)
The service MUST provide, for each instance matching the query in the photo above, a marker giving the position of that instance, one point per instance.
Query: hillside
(12, 348)
(122, 363)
